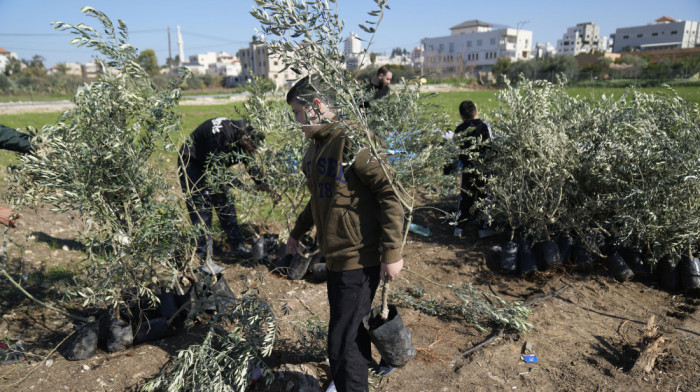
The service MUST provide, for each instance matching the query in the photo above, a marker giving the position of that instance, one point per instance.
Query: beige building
(257, 61)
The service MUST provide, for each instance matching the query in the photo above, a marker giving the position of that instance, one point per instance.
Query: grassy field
(192, 116)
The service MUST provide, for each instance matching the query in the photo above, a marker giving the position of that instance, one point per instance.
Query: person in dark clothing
(380, 82)
(473, 133)
(218, 142)
(11, 139)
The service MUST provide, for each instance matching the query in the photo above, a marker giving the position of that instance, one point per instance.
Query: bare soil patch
(587, 338)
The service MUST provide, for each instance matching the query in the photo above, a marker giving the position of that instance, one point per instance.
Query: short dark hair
(467, 109)
(383, 70)
(307, 89)
(302, 91)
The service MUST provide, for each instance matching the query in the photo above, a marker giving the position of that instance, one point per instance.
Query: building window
(674, 32)
(440, 48)
(452, 47)
(640, 35)
(479, 42)
(654, 34)
(469, 44)
(625, 37)
(493, 41)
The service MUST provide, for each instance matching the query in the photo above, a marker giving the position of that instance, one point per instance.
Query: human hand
(389, 272)
(292, 245)
(8, 216)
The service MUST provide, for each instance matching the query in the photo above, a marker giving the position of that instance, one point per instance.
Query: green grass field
(192, 116)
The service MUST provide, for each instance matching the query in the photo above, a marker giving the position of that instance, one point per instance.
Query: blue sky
(209, 25)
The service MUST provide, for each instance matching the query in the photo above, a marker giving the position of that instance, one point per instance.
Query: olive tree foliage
(624, 168)
(401, 130)
(95, 160)
(234, 344)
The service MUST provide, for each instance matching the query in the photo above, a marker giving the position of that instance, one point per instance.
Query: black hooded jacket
(477, 130)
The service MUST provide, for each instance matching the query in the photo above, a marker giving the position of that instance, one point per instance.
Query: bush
(625, 168)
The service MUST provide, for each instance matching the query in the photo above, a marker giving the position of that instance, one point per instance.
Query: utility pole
(170, 54)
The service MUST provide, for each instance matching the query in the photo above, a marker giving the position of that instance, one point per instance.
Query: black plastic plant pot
(259, 249)
(526, 261)
(151, 329)
(546, 254)
(618, 268)
(120, 336)
(168, 305)
(565, 245)
(84, 343)
(633, 259)
(509, 258)
(390, 336)
(583, 261)
(298, 267)
(690, 272)
(669, 273)
(319, 271)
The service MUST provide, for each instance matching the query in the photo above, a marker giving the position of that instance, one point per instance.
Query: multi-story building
(355, 56)
(667, 33)
(546, 49)
(5, 56)
(353, 45)
(582, 38)
(475, 46)
(256, 60)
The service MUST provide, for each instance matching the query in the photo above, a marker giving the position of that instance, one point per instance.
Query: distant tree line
(637, 67)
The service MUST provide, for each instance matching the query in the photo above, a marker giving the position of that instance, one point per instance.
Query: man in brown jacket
(359, 223)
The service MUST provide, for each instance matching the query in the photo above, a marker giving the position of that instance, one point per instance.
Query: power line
(57, 33)
(212, 37)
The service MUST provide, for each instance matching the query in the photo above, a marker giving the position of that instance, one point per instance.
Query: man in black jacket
(473, 134)
(380, 82)
(13, 140)
(216, 143)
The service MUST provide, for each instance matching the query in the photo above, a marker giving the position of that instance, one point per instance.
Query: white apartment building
(257, 61)
(475, 46)
(353, 45)
(582, 38)
(5, 58)
(73, 69)
(355, 56)
(667, 33)
(213, 63)
(546, 49)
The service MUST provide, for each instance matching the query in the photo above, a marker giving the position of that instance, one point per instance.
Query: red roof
(4, 50)
(665, 19)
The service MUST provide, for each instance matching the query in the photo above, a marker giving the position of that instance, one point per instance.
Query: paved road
(59, 106)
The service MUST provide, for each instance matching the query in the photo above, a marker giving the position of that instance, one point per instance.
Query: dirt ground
(586, 338)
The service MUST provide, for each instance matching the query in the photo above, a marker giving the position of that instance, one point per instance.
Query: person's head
(468, 110)
(251, 139)
(383, 76)
(310, 107)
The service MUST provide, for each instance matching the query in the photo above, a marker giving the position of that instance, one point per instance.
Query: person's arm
(371, 174)
(304, 223)
(11, 139)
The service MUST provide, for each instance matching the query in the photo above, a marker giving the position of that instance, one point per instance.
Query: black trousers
(200, 200)
(470, 189)
(350, 295)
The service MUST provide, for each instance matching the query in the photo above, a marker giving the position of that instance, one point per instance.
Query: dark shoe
(384, 369)
(240, 252)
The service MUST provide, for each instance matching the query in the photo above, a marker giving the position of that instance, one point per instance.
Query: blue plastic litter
(424, 231)
(530, 358)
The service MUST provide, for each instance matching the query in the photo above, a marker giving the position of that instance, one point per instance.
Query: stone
(299, 378)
